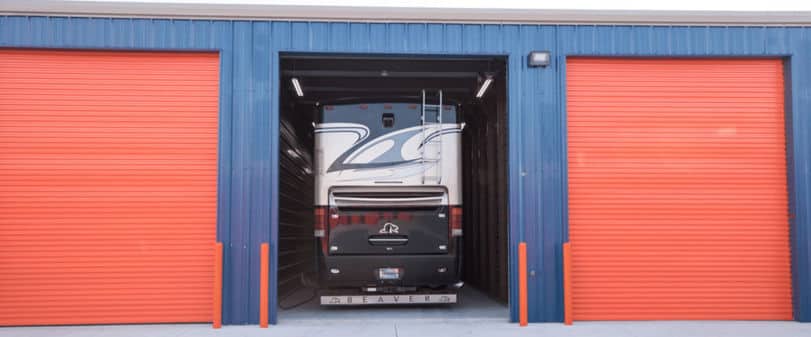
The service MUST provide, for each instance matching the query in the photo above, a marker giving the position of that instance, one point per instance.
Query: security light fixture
(297, 86)
(538, 59)
(486, 84)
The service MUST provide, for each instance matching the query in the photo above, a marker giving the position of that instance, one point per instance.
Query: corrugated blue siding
(248, 180)
(800, 170)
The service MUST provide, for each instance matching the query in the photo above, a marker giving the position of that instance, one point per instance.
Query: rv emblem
(390, 228)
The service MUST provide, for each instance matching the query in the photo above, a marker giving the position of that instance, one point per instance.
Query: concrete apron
(434, 327)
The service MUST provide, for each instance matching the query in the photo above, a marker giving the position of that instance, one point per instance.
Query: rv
(388, 204)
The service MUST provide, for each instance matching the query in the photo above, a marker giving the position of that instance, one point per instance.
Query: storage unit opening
(392, 185)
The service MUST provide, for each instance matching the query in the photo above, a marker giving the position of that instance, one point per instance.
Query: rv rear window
(388, 120)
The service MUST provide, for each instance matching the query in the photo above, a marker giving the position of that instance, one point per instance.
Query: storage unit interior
(330, 78)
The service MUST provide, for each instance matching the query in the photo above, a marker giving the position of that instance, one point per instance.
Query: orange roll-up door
(677, 189)
(108, 186)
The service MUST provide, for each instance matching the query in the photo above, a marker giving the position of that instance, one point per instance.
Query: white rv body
(389, 162)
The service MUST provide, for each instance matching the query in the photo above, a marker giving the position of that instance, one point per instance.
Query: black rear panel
(388, 231)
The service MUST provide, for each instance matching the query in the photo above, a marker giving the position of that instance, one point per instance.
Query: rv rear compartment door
(377, 227)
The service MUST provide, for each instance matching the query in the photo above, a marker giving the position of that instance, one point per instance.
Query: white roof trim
(399, 14)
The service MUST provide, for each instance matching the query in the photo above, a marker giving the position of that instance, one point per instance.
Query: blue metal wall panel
(221, 36)
(248, 179)
(280, 39)
(240, 175)
(799, 40)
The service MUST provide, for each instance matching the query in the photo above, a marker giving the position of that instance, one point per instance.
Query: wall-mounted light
(297, 86)
(538, 59)
(485, 85)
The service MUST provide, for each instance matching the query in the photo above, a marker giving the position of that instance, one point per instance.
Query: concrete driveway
(475, 315)
(432, 327)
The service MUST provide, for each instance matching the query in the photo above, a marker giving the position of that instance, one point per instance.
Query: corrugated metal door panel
(677, 189)
(108, 186)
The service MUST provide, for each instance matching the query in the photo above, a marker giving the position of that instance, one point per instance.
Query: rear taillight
(320, 222)
(456, 221)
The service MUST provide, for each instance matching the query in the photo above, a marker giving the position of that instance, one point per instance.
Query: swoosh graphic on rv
(437, 134)
(390, 157)
(359, 129)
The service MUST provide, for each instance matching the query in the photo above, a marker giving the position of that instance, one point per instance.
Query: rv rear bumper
(382, 299)
(356, 271)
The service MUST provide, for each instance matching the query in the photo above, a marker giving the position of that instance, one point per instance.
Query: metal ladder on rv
(431, 149)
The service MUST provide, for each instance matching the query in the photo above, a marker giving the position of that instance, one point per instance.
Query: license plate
(389, 299)
(388, 274)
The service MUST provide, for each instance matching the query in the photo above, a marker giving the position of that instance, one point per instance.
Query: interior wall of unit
(485, 201)
(296, 193)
